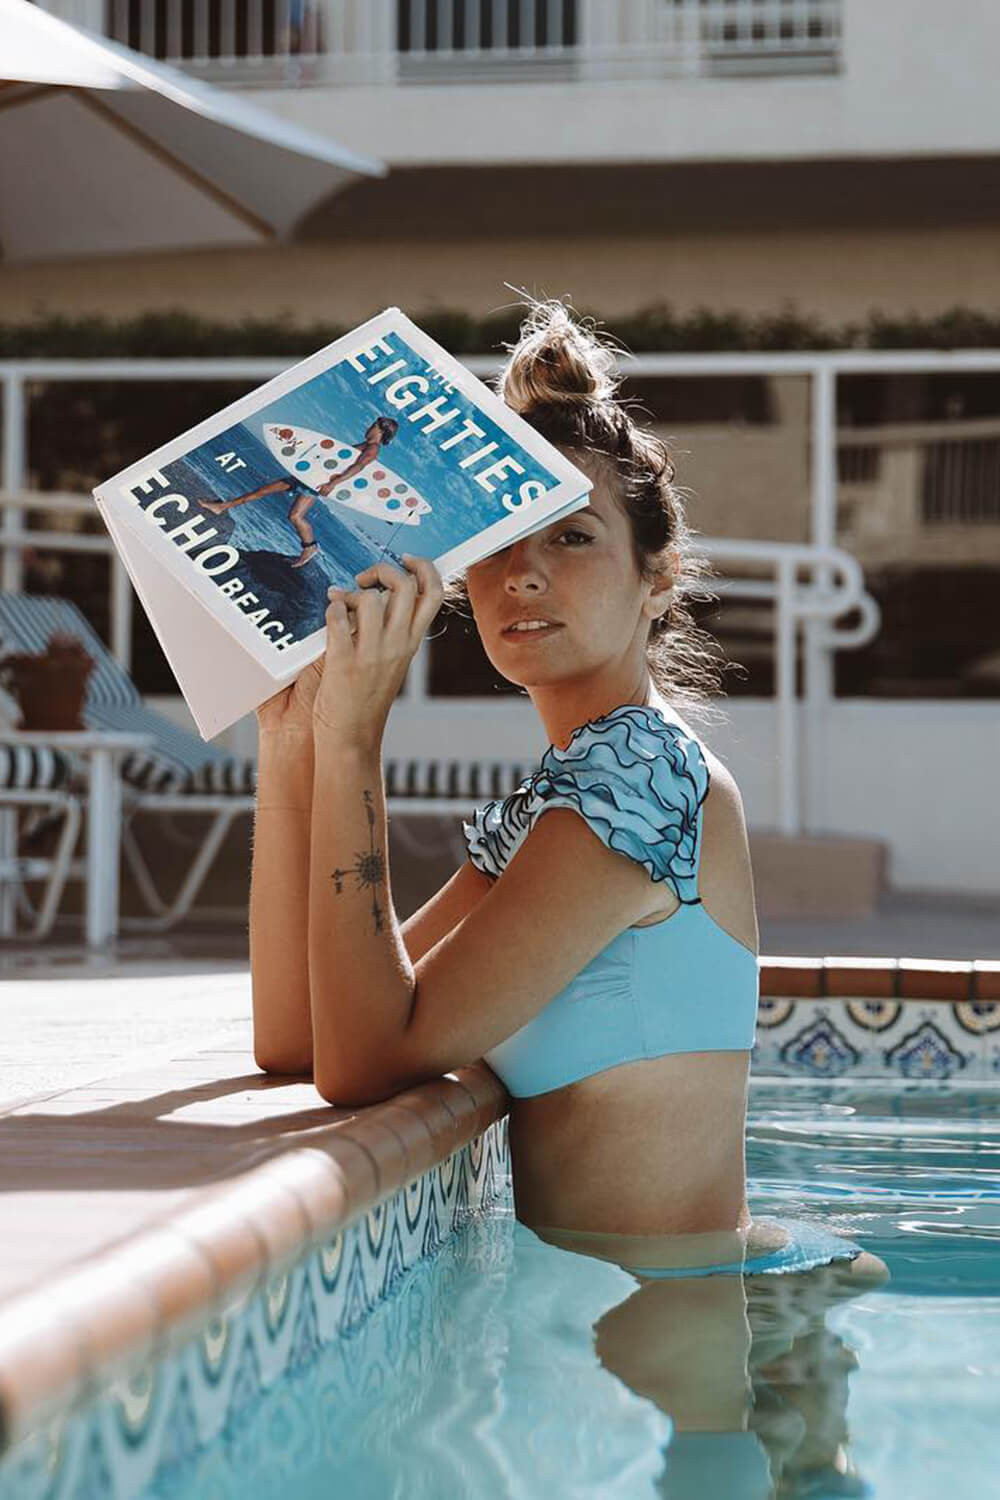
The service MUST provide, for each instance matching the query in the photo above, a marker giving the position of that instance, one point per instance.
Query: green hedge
(656, 328)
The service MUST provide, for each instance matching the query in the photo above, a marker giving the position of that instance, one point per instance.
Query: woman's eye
(583, 534)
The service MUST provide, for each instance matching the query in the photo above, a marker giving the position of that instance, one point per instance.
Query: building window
(216, 28)
(961, 482)
(484, 25)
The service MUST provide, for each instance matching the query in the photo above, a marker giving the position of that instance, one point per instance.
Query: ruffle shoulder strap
(638, 780)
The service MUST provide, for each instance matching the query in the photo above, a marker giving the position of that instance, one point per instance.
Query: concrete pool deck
(174, 1180)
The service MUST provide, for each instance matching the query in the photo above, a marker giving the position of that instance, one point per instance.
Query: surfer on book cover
(326, 466)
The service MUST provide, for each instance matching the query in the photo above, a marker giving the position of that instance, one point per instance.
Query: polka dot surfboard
(313, 459)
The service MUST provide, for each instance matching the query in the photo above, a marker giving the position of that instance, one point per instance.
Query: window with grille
(485, 25)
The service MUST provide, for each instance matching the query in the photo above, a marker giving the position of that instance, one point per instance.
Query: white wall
(922, 775)
(916, 80)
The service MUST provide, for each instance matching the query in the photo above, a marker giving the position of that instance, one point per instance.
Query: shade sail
(106, 151)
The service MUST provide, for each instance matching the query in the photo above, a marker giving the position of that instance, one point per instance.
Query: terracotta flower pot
(50, 687)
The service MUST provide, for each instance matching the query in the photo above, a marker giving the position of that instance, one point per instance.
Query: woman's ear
(664, 582)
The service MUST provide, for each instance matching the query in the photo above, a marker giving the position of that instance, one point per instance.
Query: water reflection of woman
(379, 432)
(755, 1384)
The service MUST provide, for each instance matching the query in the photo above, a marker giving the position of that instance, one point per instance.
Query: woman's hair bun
(556, 360)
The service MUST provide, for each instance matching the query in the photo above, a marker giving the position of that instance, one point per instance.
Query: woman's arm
(444, 910)
(279, 902)
(279, 877)
(360, 974)
(381, 1023)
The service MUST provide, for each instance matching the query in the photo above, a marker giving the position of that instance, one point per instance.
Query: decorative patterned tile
(149, 1424)
(876, 1036)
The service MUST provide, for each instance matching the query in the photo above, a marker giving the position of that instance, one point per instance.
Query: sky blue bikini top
(682, 984)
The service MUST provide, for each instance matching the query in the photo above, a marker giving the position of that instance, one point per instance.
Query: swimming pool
(476, 1374)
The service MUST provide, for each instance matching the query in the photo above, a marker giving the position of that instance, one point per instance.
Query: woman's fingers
(339, 624)
(431, 592)
(400, 593)
(380, 572)
(364, 616)
(402, 609)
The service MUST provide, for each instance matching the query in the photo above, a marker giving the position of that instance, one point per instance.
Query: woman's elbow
(348, 1095)
(271, 1057)
(354, 1088)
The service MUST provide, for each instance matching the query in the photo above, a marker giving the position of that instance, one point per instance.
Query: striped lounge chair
(179, 774)
(35, 791)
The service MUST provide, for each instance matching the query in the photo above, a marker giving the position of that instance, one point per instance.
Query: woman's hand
(290, 710)
(372, 636)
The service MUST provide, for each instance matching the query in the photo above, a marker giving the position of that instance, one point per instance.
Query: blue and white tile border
(910, 1018)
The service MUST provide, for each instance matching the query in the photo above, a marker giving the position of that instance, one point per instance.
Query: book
(379, 443)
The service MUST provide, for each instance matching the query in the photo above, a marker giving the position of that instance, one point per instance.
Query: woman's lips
(530, 635)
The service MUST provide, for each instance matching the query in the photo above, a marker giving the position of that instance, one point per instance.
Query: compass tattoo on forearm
(368, 867)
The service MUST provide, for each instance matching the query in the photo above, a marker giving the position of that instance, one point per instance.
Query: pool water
(508, 1367)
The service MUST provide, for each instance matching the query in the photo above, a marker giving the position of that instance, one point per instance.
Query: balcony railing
(436, 41)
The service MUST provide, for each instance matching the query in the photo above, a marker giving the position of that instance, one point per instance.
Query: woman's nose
(523, 570)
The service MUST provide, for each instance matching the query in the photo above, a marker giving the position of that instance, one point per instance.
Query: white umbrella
(103, 150)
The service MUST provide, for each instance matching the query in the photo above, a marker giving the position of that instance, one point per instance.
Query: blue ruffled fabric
(637, 779)
(808, 1244)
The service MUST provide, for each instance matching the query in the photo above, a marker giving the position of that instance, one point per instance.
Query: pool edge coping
(144, 1294)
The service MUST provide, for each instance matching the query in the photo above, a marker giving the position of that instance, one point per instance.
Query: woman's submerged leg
(738, 1356)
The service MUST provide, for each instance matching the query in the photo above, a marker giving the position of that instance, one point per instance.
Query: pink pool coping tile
(949, 981)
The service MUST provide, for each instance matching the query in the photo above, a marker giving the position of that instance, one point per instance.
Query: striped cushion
(176, 761)
(232, 775)
(30, 767)
(455, 778)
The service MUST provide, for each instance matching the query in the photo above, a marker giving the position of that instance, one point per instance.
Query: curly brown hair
(561, 377)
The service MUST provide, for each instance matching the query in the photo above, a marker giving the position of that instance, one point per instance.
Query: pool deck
(151, 1172)
(163, 1184)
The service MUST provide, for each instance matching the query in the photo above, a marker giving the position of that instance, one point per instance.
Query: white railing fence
(806, 607)
(371, 41)
(811, 587)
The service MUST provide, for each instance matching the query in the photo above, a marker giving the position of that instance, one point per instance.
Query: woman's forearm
(279, 903)
(360, 974)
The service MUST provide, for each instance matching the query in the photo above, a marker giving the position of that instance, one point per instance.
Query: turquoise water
(504, 1366)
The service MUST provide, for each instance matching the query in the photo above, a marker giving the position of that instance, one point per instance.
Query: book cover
(378, 444)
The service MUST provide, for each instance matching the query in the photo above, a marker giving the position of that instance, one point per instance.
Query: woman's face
(579, 576)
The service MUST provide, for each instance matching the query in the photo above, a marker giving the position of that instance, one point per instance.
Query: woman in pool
(602, 958)
(381, 431)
